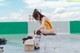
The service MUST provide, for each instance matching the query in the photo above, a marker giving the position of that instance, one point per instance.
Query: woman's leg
(43, 31)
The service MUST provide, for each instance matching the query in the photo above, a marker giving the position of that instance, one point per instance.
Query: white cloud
(59, 14)
(23, 16)
(20, 16)
(68, 9)
(14, 15)
(49, 4)
(69, 16)
(32, 2)
(59, 10)
(73, 8)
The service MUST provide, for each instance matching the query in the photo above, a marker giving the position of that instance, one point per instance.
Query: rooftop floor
(63, 43)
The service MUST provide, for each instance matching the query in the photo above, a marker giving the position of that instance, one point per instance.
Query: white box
(29, 45)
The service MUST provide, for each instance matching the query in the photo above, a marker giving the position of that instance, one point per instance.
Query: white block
(29, 45)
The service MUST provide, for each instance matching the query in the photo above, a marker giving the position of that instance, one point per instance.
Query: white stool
(50, 40)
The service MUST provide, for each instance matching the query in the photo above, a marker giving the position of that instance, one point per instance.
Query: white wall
(60, 26)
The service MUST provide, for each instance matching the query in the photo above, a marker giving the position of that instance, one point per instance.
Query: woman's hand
(41, 25)
(35, 31)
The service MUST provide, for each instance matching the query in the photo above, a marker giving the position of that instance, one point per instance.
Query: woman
(45, 27)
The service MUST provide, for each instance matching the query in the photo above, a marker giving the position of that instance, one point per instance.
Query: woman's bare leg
(43, 31)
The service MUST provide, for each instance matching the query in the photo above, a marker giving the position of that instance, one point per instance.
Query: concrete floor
(61, 43)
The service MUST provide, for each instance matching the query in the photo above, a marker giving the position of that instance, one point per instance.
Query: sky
(57, 10)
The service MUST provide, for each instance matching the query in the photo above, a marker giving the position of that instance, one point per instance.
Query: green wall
(22, 27)
(75, 27)
(13, 27)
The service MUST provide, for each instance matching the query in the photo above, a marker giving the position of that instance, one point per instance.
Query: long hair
(36, 13)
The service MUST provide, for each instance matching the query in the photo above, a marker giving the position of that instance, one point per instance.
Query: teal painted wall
(75, 27)
(13, 27)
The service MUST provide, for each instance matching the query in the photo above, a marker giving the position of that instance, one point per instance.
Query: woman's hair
(36, 13)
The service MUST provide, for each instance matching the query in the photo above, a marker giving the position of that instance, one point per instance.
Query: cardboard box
(29, 45)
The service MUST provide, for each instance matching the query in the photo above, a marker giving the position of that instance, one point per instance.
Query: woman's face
(38, 17)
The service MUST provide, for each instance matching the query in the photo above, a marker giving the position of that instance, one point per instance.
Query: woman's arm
(41, 24)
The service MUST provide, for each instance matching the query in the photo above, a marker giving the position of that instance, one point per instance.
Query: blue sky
(11, 6)
(22, 8)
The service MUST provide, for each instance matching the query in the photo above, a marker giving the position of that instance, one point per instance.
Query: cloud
(69, 16)
(68, 9)
(32, 2)
(20, 16)
(49, 4)
(62, 11)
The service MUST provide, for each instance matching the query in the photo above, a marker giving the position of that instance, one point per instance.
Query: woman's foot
(36, 48)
